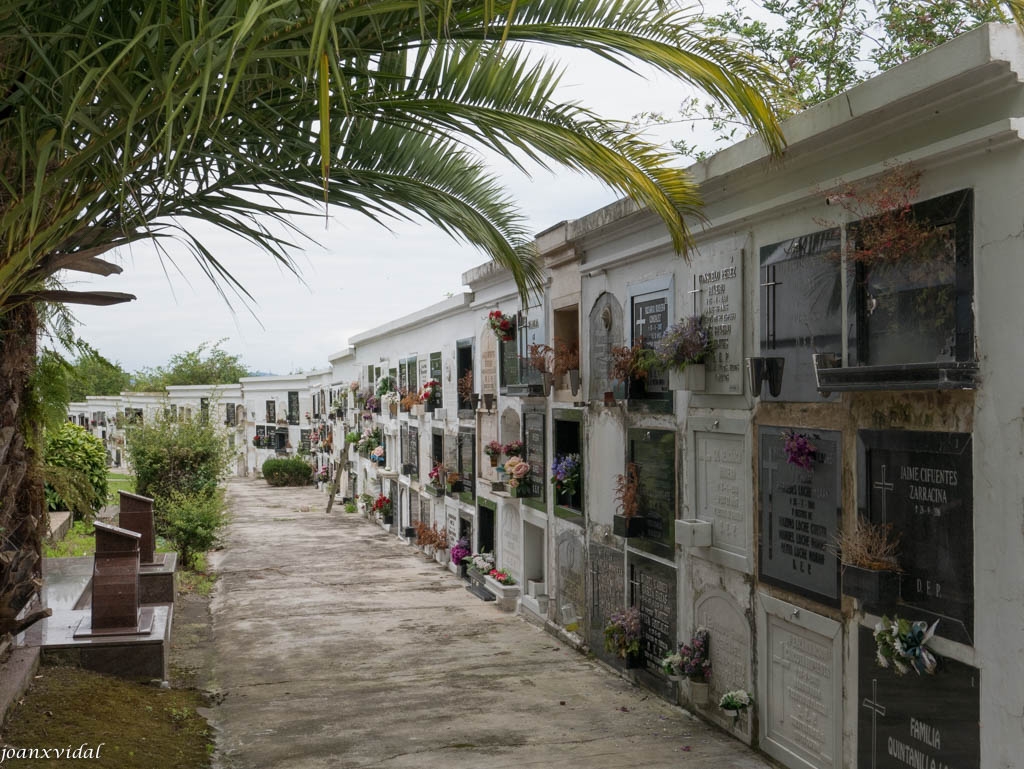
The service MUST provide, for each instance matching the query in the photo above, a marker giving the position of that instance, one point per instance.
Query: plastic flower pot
(869, 586)
(628, 527)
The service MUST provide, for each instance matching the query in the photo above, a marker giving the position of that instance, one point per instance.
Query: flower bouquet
(517, 470)
(382, 507)
(565, 474)
(735, 702)
(502, 325)
(622, 633)
(799, 450)
(513, 449)
(501, 576)
(494, 450)
(901, 645)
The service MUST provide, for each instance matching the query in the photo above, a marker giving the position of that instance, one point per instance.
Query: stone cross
(877, 710)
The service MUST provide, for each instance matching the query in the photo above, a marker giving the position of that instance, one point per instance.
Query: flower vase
(574, 380)
(494, 460)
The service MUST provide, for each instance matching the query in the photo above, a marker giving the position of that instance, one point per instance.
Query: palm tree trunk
(22, 515)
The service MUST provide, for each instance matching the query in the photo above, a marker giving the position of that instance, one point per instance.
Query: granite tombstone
(800, 514)
(922, 484)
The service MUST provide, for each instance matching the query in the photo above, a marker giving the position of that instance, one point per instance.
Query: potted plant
(869, 553)
(565, 476)
(430, 394)
(683, 350)
(631, 365)
(627, 494)
(382, 507)
(503, 326)
(452, 483)
(735, 702)
(513, 448)
(437, 476)
(622, 636)
(465, 390)
(517, 471)
(696, 665)
(566, 362)
(504, 588)
(494, 450)
(460, 555)
(540, 360)
(440, 538)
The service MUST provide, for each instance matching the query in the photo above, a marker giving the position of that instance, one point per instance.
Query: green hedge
(76, 471)
(287, 472)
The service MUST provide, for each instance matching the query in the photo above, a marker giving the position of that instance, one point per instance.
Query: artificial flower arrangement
(517, 470)
(494, 449)
(686, 342)
(382, 506)
(565, 473)
(901, 645)
(502, 325)
(482, 562)
(385, 385)
(799, 450)
(321, 474)
(460, 551)
(692, 660)
(735, 701)
(377, 455)
(430, 388)
(501, 576)
(437, 473)
(353, 386)
(622, 633)
(513, 449)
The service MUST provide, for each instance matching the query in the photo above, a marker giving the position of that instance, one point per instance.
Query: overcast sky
(358, 276)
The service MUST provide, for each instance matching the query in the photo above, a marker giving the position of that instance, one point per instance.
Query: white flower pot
(694, 533)
(692, 378)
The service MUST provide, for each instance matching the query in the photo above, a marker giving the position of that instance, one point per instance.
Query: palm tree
(123, 120)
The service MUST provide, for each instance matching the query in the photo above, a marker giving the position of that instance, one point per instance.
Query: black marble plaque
(922, 484)
(533, 424)
(800, 514)
(654, 451)
(653, 592)
(916, 721)
(801, 308)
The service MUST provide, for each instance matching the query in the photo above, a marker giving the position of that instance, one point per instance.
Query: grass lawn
(118, 482)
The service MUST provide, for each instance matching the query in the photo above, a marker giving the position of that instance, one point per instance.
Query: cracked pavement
(336, 645)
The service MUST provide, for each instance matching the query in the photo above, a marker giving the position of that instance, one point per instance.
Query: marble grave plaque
(653, 589)
(607, 593)
(804, 680)
(606, 331)
(729, 642)
(922, 484)
(572, 593)
(717, 294)
(916, 721)
(720, 487)
(800, 514)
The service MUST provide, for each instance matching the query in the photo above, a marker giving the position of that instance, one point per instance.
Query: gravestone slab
(653, 592)
(721, 495)
(800, 514)
(729, 642)
(927, 721)
(135, 513)
(572, 588)
(511, 427)
(801, 720)
(654, 451)
(488, 361)
(606, 331)
(452, 525)
(717, 293)
(511, 540)
(115, 586)
(535, 433)
(922, 484)
(607, 593)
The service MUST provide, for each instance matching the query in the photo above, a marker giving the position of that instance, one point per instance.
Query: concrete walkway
(338, 646)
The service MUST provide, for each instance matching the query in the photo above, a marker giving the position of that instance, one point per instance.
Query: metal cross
(876, 711)
(769, 305)
(695, 293)
(885, 488)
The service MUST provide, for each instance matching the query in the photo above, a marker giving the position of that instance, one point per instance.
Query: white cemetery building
(893, 375)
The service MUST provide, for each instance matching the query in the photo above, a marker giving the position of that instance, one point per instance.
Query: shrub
(186, 457)
(193, 522)
(76, 471)
(287, 472)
